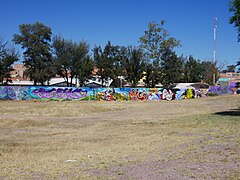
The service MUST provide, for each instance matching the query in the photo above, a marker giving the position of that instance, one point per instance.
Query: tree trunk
(71, 83)
(102, 82)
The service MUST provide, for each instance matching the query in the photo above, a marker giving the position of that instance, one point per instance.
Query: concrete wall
(106, 94)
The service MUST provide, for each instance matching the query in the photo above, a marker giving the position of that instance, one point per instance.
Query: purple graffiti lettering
(60, 93)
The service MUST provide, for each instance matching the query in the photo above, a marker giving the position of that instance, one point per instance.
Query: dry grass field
(187, 139)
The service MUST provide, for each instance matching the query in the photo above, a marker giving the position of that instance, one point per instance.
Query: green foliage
(153, 74)
(120, 53)
(154, 43)
(171, 67)
(155, 58)
(231, 68)
(85, 70)
(192, 70)
(104, 62)
(7, 57)
(72, 59)
(109, 62)
(35, 40)
(234, 8)
(208, 68)
(134, 65)
(151, 41)
(196, 71)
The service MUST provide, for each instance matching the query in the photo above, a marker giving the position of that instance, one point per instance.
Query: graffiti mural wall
(44, 93)
(60, 93)
(14, 93)
(110, 94)
(232, 88)
(107, 94)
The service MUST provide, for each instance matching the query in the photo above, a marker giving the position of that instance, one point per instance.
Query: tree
(234, 7)
(114, 55)
(79, 60)
(231, 68)
(108, 61)
(35, 40)
(72, 60)
(7, 57)
(149, 74)
(192, 70)
(133, 65)
(119, 54)
(237, 65)
(85, 70)
(103, 65)
(171, 67)
(154, 43)
(208, 68)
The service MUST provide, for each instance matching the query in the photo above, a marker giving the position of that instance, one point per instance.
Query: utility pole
(214, 48)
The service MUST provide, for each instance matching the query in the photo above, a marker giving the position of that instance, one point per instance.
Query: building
(20, 79)
(228, 77)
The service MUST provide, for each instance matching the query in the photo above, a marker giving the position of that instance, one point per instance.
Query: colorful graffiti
(237, 86)
(138, 94)
(234, 87)
(58, 93)
(154, 94)
(35, 92)
(168, 95)
(14, 93)
(180, 94)
(218, 90)
(109, 94)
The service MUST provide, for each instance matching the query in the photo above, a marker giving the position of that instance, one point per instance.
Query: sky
(123, 21)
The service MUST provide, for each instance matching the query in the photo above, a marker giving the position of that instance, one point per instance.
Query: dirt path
(187, 139)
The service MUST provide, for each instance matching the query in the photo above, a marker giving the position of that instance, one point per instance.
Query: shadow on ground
(232, 112)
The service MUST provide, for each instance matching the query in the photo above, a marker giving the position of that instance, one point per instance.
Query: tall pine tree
(35, 40)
